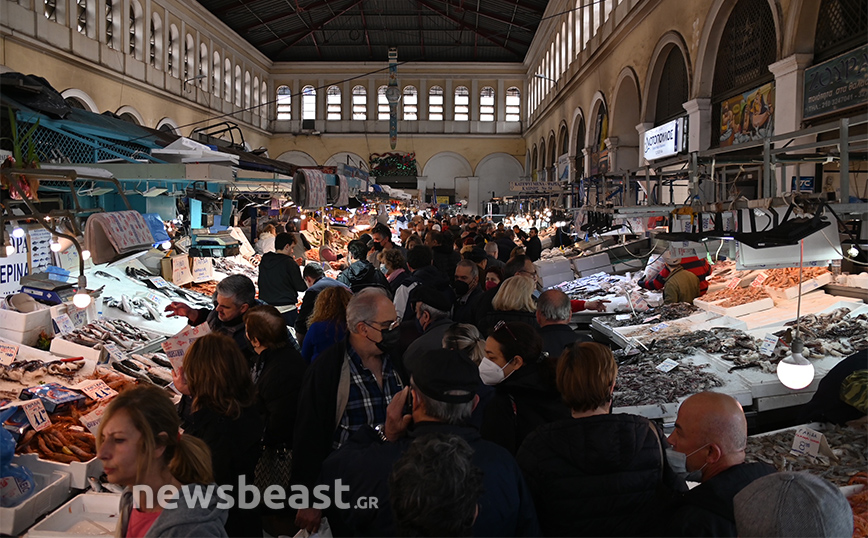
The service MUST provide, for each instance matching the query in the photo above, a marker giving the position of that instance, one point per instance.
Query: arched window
(570, 37)
(189, 59)
(173, 44)
(462, 104)
(360, 103)
(580, 146)
(579, 11)
(333, 103)
(435, 103)
(383, 110)
(672, 91)
(203, 66)
(533, 159)
(155, 49)
(607, 9)
(410, 102)
(111, 29)
(513, 104)
(227, 79)
(308, 103)
(840, 27)
(564, 138)
(237, 85)
(284, 103)
(587, 15)
(247, 89)
(136, 30)
(254, 95)
(263, 98)
(215, 74)
(747, 47)
(486, 104)
(557, 55)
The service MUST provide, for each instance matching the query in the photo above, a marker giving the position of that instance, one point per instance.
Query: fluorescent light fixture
(154, 191)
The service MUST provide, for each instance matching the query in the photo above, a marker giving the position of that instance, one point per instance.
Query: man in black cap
(440, 399)
(433, 318)
(478, 256)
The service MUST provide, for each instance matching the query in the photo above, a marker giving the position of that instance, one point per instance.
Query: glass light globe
(85, 254)
(18, 232)
(10, 250)
(81, 300)
(55, 247)
(166, 245)
(796, 372)
(853, 252)
(303, 216)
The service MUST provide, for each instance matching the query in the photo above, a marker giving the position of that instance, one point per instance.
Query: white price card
(114, 351)
(177, 345)
(768, 345)
(733, 283)
(96, 389)
(159, 282)
(652, 318)
(758, 281)
(8, 352)
(812, 443)
(63, 324)
(623, 317)
(181, 270)
(667, 366)
(659, 327)
(91, 420)
(203, 270)
(36, 414)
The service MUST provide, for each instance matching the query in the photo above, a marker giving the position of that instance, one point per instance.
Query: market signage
(14, 266)
(665, 140)
(836, 84)
(535, 186)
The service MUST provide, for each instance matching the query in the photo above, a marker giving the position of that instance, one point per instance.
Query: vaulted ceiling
(364, 30)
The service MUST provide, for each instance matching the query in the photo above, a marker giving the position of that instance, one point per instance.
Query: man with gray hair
(347, 387)
(433, 318)
(439, 400)
(234, 296)
(553, 315)
(492, 252)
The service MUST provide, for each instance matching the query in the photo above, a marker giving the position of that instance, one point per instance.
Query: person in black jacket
(445, 258)
(597, 474)
(219, 396)
(532, 245)
(280, 279)
(361, 273)
(711, 432)
(419, 261)
(553, 315)
(513, 302)
(525, 396)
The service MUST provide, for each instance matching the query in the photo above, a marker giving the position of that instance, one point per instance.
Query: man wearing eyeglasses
(348, 386)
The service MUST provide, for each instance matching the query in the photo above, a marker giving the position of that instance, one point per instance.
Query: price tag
(659, 327)
(203, 270)
(8, 352)
(77, 315)
(758, 281)
(154, 298)
(114, 351)
(36, 414)
(176, 346)
(181, 270)
(623, 317)
(92, 419)
(769, 344)
(812, 443)
(159, 282)
(96, 389)
(652, 318)
(63, 324)
(667, 366)
(733, 283)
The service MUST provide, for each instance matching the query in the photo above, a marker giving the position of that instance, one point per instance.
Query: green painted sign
(837, 84)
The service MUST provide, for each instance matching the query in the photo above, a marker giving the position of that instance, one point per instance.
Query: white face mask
(490, 372)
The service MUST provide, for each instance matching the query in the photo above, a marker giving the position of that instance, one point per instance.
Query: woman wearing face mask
(139, 443)
(493, 278)
(513, 302)
(586, 472)
(525, 395)
(394, 265)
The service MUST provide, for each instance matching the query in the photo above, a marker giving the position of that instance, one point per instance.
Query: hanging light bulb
(85, 254)
(18, 232)
(55, 246)
(853, 251)
(10, 250)
(81, 299)
(796, 372)
(303, 216)
(166, 245)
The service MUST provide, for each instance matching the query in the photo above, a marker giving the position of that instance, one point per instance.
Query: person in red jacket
(697, 266)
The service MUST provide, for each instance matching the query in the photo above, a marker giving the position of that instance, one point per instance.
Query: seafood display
(733, 345)
(789, 276)
(28, 372)
(639, 382)
(859, 504)
(231, 267)
(100, 332)
(849, 445)
(736, 296)
(65, 441)
(666, 312)
(835, 333)
(147, 367)
(205, 288)
(137, 306)
(171, 291)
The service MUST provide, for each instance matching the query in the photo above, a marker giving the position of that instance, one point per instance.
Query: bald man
(711, 431)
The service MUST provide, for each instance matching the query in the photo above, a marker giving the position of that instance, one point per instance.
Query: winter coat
(446, 259)
(556, 337)
(361, 275)
(603, 475)
(278, 383)
(182, 521)
(682, 286)
(280, 279)
(309, 300)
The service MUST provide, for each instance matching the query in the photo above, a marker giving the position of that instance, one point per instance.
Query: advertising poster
(747, 117)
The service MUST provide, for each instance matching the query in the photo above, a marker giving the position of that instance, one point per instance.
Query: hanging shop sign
(805, 184)
(837, 84)
(564, 167)
(747, 117)
(665, 140)
(535, 186)
(13, 266)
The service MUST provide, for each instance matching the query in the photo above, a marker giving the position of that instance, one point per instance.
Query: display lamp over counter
(796, 372)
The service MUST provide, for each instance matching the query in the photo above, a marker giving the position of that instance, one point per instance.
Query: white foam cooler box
(783, 294)
(87, 515)
(554, 271)
(25, 328)
(78, 471)
(591, 265)
(52, 489)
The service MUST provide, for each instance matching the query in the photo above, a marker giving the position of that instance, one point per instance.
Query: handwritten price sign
(96, 389)
(8, 352)
(36, 414)
(758, 281)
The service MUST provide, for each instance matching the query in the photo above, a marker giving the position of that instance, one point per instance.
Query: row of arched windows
(409, 105)
(182, 59)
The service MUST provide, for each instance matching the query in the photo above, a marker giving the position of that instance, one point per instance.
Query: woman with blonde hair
(513, 302)
(326, 252)
(219, 408)
(327, 324)
(139, 443)
(587, 471)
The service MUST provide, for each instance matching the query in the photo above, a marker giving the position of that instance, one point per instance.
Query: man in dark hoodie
(361, 273)
(419, 261)
(280, 279)
(445, 257)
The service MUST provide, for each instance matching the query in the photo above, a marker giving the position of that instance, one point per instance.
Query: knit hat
(445, 375)
(792, 505)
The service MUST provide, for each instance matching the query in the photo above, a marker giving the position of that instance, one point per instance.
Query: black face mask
(378, 246)
(461, 288)
(390, 339)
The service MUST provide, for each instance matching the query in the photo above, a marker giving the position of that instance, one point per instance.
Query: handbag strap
(659, 445)
(343, 396)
